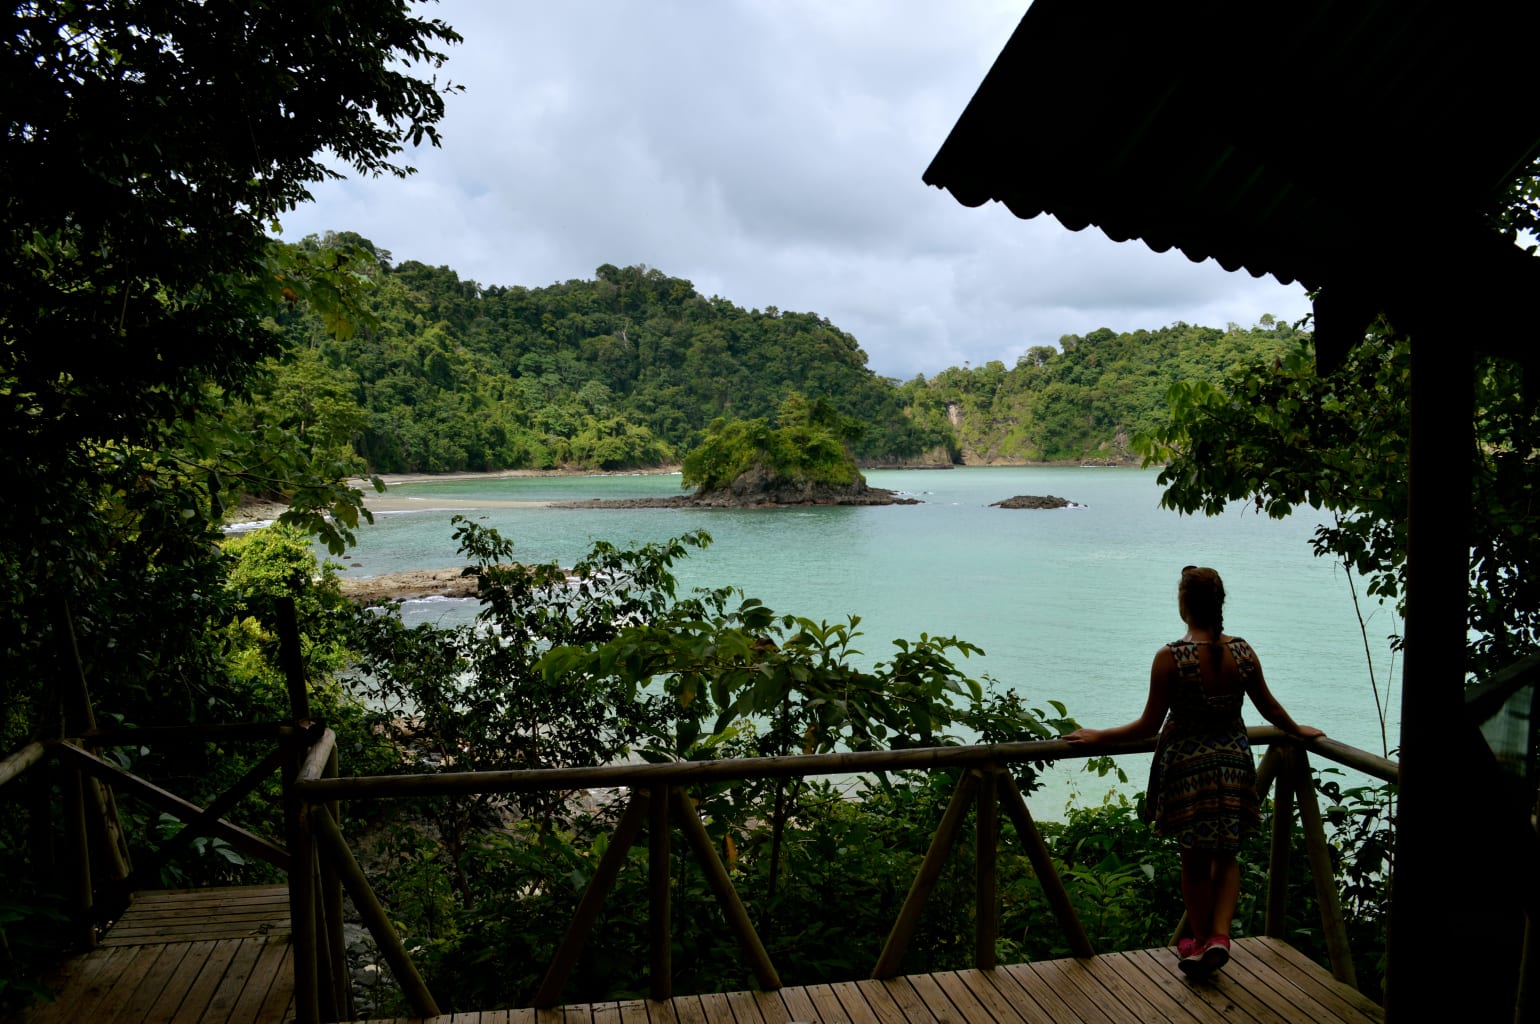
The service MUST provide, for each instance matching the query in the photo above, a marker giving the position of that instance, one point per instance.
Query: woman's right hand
(1083, 737)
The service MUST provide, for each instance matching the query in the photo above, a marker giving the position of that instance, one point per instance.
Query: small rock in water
(1036, 501)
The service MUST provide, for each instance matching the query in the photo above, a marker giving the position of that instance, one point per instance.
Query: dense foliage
(633, 367)
(632, 667)
(808, 446)
(624, 370)
(148, 149)
(1087, 399)
(1287, 436)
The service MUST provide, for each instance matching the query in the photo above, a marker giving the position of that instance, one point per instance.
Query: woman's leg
(1198, 892)
(1226, 891)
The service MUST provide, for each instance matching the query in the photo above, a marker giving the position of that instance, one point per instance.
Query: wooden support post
(986, 921)
(302, 938)
(1332, 923)
(1275, 922)
(40, 827)
(659, 885)
(373, 915)
(291, 660)
(80, 717)
(1433, 905)
(1267, 771)
(727, 897)
(1042, 864)
(331, 914)
(599, 886)
(82, 898)
(925, 879)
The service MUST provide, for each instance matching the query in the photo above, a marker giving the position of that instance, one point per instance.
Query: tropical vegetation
(163, 358)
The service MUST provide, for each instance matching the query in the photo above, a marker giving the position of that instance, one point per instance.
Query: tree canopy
(149, 150)
(1286, 436)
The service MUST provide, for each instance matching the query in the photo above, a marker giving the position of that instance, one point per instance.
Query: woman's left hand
(1083, 737)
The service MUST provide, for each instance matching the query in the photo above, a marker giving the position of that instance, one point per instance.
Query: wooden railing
(321, 866)
(658, 801)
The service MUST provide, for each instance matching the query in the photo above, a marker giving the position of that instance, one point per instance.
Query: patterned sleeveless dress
(1204, 779)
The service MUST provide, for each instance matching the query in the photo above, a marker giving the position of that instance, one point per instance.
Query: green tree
(149, 149)
(1284, 436)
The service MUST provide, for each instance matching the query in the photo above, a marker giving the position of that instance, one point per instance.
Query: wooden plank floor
(1266, 982)
(221, 956)
(190, 956)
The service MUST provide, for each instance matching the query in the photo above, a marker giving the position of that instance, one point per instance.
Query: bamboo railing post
(331, 913)
(331, 841)
(986, 911)
(80, 718)
(925, 879)
(599, 886)
(1279, 760)
(1042, 864)
(40, 826)
(291, 660)
(1330, 901)
(727, 896)
(82, 898)
(659, 884)
(302, 887)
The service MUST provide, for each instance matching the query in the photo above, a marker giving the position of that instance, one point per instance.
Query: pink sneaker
(1216, 953)
(1184, 947)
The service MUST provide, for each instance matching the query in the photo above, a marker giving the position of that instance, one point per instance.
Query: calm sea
(1068, 605)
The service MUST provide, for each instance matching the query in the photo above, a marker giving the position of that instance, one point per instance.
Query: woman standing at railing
(1202, 789)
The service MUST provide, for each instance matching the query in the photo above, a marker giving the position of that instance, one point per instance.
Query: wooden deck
(222, 956)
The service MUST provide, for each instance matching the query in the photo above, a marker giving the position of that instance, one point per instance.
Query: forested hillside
(630, 368)
(627, 369)
(1088, 398)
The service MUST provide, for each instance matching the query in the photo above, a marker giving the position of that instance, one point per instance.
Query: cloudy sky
(770, 152)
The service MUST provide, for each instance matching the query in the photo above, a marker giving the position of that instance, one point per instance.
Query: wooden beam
(1332, 924)
(925, 879)
(986, 895)
(373, 915)
(680, 773)
(659, 891)
(247, 842)
(727, 896)
(151, 735)
(1275, 923)
(1432, 904)
(610, 862)
(20, 761)
(1042, 864)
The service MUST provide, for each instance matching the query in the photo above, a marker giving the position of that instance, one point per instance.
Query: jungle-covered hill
(631, 367)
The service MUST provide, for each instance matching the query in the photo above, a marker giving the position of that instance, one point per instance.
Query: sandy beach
(256, 511)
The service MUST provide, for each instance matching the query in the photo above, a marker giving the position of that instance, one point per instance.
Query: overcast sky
(771, 153)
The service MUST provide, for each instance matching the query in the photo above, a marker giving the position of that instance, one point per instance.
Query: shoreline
(386, 503)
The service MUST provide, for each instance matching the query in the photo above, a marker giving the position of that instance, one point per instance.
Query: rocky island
(1035, 501)
(759, 487)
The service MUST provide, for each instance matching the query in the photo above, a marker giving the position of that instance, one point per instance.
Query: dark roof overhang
(1360, 148)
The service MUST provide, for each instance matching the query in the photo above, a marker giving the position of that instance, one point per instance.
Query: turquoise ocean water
(1068, 605)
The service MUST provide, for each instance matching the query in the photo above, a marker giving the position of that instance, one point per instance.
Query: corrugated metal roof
(1318, 140)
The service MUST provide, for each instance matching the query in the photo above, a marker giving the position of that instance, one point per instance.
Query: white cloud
(771, 153)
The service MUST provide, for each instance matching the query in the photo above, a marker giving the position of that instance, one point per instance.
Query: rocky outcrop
(407, 586)
(937, 458)
(1035, 501)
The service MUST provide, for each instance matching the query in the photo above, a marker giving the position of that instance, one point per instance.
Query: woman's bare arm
(1263, 700)
(1147, 724)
